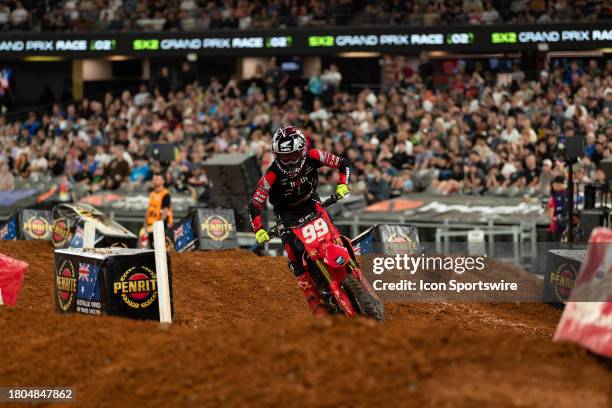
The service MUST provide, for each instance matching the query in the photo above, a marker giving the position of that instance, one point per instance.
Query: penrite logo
(37, 227)
(66, 285)
(400, 242)
(563, 280)
(61, 233)
(217, 227)
(137, 287)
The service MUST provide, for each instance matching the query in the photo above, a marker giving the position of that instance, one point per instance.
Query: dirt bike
(331, 261)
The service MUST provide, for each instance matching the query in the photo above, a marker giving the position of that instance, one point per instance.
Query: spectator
(419, 136)
(149, 15)
(510, 134)
(5, 15)
(19, 16)
(332, 78)
(140, 172)
(378, 186)
(274, 77)
(557, 208)
(118, 170)
(163, 81)
(38, 164)
(186, 76)
(315, 83)
(7, 181)
(490, 14)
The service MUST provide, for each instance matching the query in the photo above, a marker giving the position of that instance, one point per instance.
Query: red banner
(12, 272)
(589, 322)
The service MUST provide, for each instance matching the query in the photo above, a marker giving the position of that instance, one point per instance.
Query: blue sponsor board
(8, 230)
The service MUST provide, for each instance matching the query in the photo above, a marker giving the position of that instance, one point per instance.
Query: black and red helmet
(290, 149)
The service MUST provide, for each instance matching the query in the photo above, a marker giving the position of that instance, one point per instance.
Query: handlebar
(277, 229)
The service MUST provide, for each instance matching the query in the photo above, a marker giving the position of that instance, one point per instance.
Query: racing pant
(288, 216)
(295, 252)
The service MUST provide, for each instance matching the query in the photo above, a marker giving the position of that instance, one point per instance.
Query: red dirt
(243, 337)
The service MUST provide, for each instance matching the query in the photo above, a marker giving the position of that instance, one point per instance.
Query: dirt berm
(243, 337)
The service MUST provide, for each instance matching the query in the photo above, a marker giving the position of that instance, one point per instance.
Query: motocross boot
(311, 294)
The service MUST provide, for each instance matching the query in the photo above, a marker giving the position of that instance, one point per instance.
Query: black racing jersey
(289, 192)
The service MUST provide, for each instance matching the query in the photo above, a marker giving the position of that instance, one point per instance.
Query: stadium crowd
(119, 15)
(471, 135)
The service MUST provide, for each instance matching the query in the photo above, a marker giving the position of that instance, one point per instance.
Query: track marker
(161, 269)
(89, 235)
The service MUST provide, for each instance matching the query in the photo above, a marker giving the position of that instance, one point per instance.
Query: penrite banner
(69, 221)
(27, 224)
(216, 228)
(113, 281)
(468, 38)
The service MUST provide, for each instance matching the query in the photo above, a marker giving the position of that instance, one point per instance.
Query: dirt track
(243, 337)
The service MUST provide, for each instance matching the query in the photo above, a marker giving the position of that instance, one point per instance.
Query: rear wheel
(366, 304)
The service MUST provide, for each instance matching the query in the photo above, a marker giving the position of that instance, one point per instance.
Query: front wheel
(366, 304)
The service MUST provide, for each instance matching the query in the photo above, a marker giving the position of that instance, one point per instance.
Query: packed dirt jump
(243, 336)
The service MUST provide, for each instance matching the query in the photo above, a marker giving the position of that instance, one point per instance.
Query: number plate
(313, 232)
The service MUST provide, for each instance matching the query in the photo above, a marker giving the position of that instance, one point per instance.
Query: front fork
(338, 293)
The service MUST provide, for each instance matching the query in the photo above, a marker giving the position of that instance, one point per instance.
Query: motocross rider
(291, 185)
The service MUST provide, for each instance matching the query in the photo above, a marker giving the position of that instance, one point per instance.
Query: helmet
(290, 150)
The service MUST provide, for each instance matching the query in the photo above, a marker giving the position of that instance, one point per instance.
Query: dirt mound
(243, 337)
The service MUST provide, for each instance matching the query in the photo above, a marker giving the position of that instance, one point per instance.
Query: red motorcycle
(330, 259)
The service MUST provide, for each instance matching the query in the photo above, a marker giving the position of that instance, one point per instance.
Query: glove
(342, 190)
(262, 236)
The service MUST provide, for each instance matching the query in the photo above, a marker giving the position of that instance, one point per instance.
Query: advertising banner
(587, 317)
(388, 239)
(216, 229)
(27, 224)
(315, 41)
(562, 269)
(69, 221)
(112, 281)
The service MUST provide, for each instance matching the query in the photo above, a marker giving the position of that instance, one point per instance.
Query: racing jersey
(286, 192)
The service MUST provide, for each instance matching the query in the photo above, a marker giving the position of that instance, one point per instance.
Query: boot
(311, 294)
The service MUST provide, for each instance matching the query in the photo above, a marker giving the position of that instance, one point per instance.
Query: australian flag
(87, 284)
(8, 231)
(183, 236)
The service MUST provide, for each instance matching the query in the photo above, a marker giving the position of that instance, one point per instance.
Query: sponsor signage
(113, 281)
(388, 239)
(587, 317)
(69, 221)
(28, 224)
(562, 269)
(471, 38)
(216, 228)
(204, 229)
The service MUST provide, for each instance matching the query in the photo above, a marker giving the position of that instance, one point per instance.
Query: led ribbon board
(474, 38)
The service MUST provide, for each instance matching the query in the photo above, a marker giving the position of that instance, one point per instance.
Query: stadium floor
(243, 337)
